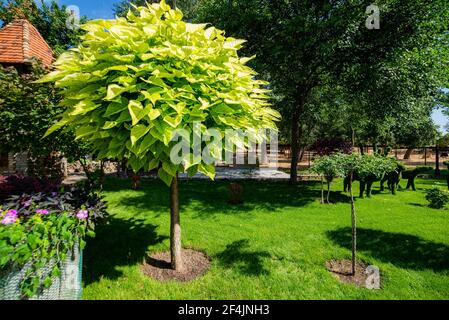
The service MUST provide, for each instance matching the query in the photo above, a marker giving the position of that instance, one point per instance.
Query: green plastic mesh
(68, 286)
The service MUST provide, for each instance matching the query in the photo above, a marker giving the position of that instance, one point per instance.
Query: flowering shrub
(40, 229)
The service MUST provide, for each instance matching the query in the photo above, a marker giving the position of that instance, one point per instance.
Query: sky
(93, 9)
(103, 9)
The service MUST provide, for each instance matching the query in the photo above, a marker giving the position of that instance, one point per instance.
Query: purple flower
(54, 194)
(82, 214)
(11, 213)
(9, 220)
(42, 212)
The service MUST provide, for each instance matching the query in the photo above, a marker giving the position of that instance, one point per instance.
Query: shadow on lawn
(118, 243)
(207, 198)
(402, 250)
(237, 256)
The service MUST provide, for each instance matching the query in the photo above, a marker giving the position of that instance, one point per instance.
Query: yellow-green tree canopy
(134, 80)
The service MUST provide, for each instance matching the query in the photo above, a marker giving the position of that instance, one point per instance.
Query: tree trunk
(322, 190)
(295, 147)
(124, 165)
(408, 153)
(90, 179)
(302, 151)
(102, 175)
(362, 149)
(352, 137)
(175, 227)
(328, 191)
(437, 162)
(354, 225)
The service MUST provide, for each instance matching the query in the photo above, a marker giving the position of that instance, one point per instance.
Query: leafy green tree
(27, 111)
(366, 167)
(133, 82)
(188, 7)
(48, 17)
(349, 166)
(300, 44)
(414, 130)
(329, 167)
(371, 168)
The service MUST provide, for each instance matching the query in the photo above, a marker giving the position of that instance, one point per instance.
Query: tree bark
(354, 225)
(102, 175)
(124, 166)
(437, 162)
(408, 153)
(302, 151)
(362, 149)
(353, 137)
(322, 190)
(175, 227)
(295, 146)
(90, 179)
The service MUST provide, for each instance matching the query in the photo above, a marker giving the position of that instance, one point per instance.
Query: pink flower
(42, 212)
(9, 220)
(11, 213)
(82, 214)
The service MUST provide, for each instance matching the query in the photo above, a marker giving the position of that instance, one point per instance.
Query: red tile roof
(20, 42)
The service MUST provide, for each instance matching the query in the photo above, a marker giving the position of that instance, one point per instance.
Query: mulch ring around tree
(158, 267)
(342, 270)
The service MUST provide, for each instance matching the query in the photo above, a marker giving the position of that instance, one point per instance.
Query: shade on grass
(274, 246)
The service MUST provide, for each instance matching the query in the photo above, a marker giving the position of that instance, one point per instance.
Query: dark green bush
(437, 198)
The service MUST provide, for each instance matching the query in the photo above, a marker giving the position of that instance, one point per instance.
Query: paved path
(74, 179)
(221, 174)
(243, 174)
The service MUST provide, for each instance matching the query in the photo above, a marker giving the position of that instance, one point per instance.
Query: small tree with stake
(329, 167)
(366, 166)
(133, 81)
(349, 166)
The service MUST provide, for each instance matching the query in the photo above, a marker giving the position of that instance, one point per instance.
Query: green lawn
(274, 246)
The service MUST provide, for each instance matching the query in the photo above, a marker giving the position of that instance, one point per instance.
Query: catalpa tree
(134, 82)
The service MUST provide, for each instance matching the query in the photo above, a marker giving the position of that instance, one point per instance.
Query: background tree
(27, 111)
(413, 130)
(300, 44)
(48, 17)
(188, 7)
(149, 75)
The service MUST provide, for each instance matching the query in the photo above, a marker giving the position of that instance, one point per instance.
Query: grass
(274, 246)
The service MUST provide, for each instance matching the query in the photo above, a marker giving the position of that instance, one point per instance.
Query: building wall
(14, 163)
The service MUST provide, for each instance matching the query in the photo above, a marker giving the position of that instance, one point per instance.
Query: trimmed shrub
(437, 198)
(411, 175)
